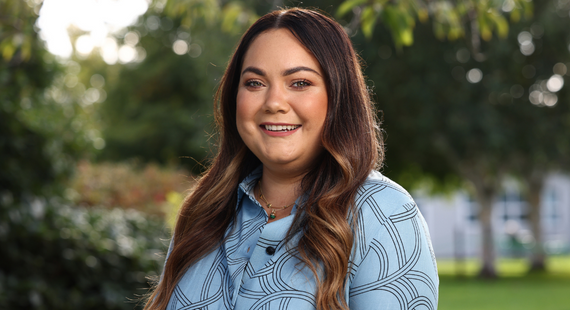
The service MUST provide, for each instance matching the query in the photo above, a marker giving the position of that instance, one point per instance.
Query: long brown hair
(352, 148)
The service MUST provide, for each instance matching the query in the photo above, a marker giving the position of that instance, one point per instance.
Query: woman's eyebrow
(297, 69)
(285, 73)
(253, 70)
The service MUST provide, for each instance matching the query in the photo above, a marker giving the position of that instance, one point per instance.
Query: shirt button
(270, 250)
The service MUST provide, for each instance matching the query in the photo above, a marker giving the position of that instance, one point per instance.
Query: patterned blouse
(393, 265)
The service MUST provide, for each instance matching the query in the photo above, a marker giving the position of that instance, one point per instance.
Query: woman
(291, 214)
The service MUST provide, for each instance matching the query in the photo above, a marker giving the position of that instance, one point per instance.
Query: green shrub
(58, 257)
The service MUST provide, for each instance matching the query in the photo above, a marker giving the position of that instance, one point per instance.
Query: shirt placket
(241, 242)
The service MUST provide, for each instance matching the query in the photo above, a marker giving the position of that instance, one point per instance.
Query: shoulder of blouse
(381, 194)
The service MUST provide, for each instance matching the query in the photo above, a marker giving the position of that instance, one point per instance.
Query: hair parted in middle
(352, 147)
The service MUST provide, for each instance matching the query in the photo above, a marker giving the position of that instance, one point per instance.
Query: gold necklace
(272, 215)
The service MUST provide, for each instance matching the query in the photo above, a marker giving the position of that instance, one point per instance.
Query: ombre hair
(352, 147)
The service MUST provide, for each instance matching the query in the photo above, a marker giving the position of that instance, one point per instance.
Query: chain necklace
(270, 206)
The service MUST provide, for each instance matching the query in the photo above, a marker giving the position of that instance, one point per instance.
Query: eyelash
(305, 82)
(250, 83)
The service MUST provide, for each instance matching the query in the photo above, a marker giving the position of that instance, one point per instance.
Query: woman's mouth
(280, 128)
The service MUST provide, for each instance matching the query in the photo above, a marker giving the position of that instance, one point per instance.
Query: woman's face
(281, 102)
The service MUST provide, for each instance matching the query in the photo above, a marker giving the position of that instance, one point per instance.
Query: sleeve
(394, 266)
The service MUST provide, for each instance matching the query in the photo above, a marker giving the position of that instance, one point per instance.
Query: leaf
(400, 24)
(455, 33)
(26, 48)
(347, 6)
(230, 15)
(423, 15)
(515, 15)
(368, 20)
(484, 28)
(502, 25)
(7, 50)
(439, 30)
(192, 10)
(406, 36)
(528, 8)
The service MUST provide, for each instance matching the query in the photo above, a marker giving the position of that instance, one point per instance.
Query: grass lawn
(513, 290)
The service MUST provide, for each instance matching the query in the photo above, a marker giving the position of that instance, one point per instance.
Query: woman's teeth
(280, 127)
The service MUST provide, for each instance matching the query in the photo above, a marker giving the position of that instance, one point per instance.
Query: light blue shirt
(393, 265)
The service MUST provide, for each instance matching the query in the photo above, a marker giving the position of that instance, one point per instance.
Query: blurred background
(106, 119)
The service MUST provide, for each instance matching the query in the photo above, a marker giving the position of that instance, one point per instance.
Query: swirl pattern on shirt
(392, 263)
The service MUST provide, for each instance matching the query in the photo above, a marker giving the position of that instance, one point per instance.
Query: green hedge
(59, 257)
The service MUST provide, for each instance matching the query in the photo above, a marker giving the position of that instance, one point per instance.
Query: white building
(455, 229)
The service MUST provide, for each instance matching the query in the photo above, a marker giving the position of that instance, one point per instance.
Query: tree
(466, 77)
(451, 20)
(152, 106)
(543, 146)
(38, 147)
(55, 256)
(468, 114)
(160, 109)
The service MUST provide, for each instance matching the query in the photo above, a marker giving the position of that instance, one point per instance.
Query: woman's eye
(301, 84)
(253, 83)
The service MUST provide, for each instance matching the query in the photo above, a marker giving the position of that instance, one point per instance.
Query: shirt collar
(247, 185)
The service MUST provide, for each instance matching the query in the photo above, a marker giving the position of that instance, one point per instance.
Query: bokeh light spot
(555, 83)
(517, 91)
(559, 68)
(84, 45)
(527, 48)
(127, 54)
(152, 23)
(535, 97)
(109, 51)
(195, 50)
(131, 38)
(463, 55)
(474, 75)
(524, 37)
(508, 6)
(141, 54)
(180, 47)
(537, 30)
(71, 80)
(550, 99)
(97, 81)
(92, 95)
(91, 261)
(99, 143)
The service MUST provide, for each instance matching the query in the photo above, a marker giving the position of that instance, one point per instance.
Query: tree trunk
(485, 197)
(486, 176)
(535, 183)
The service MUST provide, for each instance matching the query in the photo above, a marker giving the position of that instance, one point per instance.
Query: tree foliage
(478, 115)
(38, 140)
(450, 19)
(161, 108)
(59, 257)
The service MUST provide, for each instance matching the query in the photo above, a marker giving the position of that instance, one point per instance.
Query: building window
(512, 207)
(550, 213)
(472, 210)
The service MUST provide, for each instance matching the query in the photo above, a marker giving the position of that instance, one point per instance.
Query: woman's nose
(276, 100)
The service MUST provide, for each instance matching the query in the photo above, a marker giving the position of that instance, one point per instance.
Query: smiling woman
(281, 106)
(292, 214)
